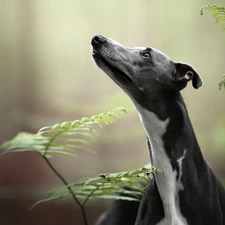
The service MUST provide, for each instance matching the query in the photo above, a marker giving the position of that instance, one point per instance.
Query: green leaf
(107, 186)
(218, 13)
(62, 138)
(222, 82)
(25, 142)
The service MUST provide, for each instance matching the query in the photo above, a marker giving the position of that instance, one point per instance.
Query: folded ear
(184, 73)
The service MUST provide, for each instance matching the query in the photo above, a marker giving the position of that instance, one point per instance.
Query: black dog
(189, 193)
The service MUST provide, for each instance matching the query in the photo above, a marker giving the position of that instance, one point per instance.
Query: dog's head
(142, 73)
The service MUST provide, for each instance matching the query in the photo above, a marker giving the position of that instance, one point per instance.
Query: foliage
(107, 186)
(62, 138)
(222, 83)
(218, 14)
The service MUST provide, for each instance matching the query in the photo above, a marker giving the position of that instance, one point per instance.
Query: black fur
(153, 81)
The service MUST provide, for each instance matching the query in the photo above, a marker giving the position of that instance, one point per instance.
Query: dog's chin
(117, 75)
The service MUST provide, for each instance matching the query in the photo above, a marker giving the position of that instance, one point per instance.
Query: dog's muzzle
(106, 55)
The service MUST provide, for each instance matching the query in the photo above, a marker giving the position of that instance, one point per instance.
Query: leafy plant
(62, 140)
(218, 14)
(107, 186)
(222, 83)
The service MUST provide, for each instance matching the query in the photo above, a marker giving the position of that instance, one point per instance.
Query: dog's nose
(98, 39)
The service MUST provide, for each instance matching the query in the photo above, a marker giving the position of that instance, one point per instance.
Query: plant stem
(69, 189)
(85, 201)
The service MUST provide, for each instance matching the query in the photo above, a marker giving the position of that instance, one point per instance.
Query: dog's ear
(184, 73)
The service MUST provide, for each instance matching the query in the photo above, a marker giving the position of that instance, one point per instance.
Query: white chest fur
(168, 185)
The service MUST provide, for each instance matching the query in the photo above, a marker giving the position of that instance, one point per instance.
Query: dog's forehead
(160, 54)
(159, 58)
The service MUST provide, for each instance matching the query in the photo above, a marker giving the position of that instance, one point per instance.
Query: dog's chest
(168, 184)
(168, 187)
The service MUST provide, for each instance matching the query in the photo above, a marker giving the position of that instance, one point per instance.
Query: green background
(47, 76)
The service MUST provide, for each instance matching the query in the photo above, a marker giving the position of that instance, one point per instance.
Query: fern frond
(222, 83)
(217, 12)
(63, 138)
(128, 185)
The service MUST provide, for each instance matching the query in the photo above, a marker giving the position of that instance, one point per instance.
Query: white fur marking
(187, 77)
(168, 186)
(179, 161)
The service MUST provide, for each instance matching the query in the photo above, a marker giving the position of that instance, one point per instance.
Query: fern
(222, 83)
(217, 12)
(107, 186)
(62, 138)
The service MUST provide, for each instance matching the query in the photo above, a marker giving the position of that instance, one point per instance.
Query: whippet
(189, 193)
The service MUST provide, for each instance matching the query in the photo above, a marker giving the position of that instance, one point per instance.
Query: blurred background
(47, 76)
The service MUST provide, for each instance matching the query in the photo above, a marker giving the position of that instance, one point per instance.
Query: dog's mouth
(105, 65)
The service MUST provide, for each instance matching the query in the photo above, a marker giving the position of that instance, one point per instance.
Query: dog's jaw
(108, 61)
(106, 64)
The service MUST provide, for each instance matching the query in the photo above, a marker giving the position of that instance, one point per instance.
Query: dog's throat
(167, 183)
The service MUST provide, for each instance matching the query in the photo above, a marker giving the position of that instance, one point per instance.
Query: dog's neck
(174, 132)
(171, 140)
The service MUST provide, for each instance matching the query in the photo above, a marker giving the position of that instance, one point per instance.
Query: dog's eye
(146, 55)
